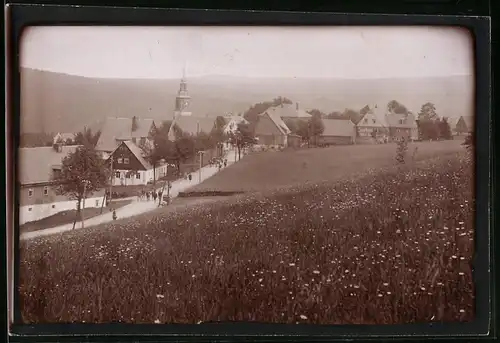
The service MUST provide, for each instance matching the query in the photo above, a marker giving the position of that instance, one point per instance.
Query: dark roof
(280, 124)
(114, 128)
(138, 153)
(192, 125)
(288, 111)
(338, 127)
(404, 121)
(36, 164)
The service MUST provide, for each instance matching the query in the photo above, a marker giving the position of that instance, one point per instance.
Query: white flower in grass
(160, 296)
(157, 321)
(303, 317)
(462, 311)
(315, 271)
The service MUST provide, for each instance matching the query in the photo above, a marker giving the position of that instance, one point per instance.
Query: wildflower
(315, 271)
(462, 311)
(380, 295)
(160, 296)
(385, 284)
(461, 273)
(291, 264)
(157, 321)
(303, 317)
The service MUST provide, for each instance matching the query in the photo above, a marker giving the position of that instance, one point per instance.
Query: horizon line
(244, 77)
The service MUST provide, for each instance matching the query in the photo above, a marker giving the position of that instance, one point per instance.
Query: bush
(402, 149)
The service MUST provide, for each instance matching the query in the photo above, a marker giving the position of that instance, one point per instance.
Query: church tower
(182, 100)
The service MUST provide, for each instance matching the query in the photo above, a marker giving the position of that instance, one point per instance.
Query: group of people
(219, 162)
(151, 196)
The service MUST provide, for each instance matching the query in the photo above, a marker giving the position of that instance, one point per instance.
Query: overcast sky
(336, 52)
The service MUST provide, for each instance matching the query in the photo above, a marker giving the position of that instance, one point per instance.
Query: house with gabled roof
(337, 131)
(233, 122)
(402, 126)
(290, 112)
(463, 125)
(115, 130)
(373, 126)
(271, 130)
(38, 170)
(131, 167)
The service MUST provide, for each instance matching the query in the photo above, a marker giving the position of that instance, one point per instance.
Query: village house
(290, 112)
(232, 123)
(130, 167)
(115, 130)
(271, 130)
(373, 127)
(462, 125)
(38, 172)
(402, 126)
(337, 131)
(379, 126)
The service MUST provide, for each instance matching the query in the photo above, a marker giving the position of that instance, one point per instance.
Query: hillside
(54, 102)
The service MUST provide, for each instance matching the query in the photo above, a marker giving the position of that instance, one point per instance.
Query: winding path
(137, 206)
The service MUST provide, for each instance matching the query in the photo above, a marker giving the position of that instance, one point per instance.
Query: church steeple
(182, 100)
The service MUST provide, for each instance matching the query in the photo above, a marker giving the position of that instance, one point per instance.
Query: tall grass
(392, 247)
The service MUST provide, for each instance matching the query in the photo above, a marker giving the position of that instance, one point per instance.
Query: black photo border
(22, 16)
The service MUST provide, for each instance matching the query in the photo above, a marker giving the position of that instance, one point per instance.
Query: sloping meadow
(392, 247)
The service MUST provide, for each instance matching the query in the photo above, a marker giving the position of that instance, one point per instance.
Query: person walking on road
(225, 163)
(114, 215)
(160, 194)
(154, 196)
(147, 196)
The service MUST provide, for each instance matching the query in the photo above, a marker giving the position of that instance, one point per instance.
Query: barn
(338, 132)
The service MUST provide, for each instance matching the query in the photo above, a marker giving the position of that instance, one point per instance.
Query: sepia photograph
(296, 175)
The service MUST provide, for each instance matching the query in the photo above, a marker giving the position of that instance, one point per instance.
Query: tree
(83, 173)
(428, 129)
(135, 124)
(336, 115)
(86, 137)
(316, 112)
(428, 112)
(444, 129)
(242, 138)
(252, 114)
(152, 154)
(315, 126)
(396, 107)
(353, 115)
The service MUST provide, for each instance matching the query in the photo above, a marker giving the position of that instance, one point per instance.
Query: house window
(373, 121)
(134, 140)
(117, 174)
(138, 176)
(143, 140)
(29, 209)
(366, 120)
(127, 175)
(120, 160)
(30, 192)
(53, 206)
(45, 190)
(401, 121)
(97, 203)
(126, 160)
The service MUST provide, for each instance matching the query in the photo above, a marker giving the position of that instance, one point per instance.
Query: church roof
(192, 125)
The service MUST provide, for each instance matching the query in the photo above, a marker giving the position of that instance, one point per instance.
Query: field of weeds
(392, 247)
(264, 170)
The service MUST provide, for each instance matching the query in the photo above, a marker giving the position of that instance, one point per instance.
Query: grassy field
(266, 170)
(65, 217)
(393, 245)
